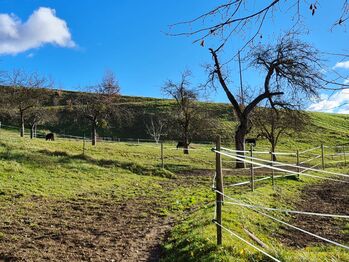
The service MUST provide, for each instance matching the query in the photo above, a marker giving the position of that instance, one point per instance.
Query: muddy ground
(328, 197)
(82, 230)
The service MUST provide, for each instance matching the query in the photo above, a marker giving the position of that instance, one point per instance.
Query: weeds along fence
(286, 169)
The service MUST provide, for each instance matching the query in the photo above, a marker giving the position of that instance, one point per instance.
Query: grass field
(59, 204)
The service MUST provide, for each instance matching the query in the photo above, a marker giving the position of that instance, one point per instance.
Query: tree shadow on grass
(190, 250)
(108, 163)
(178, 168)
(46, 157)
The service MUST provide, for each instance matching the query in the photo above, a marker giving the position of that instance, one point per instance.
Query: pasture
(116, 203)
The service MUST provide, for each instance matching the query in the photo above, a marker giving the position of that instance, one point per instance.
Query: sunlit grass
(119, 171)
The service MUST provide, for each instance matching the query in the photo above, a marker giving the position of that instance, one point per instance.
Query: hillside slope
(323, 127)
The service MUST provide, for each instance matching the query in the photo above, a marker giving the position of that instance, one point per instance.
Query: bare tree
(99, 105)
(292, 71)
(37, 116)
(245, 19)
(272, 125)
(26, 90)
(155, 127)
(241, 22)
(292, 68)
(186, 108)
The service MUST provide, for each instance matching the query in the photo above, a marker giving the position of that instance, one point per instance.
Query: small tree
(26, 90)
(155, 127)
(186, 107)
(37, 116)
(98, 107)
(272, 124)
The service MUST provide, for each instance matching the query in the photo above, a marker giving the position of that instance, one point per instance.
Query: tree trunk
(94, 133)
(22, 124)
(240, 135)
(32, 134)
(186, 138)
(186, 147)
(273, 147)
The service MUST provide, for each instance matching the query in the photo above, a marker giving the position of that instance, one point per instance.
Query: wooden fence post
(162, 155)
(323, 156)
(272, 171)
(251, 168)
(345, 157)
(83, 146)
(298, 163)
(219, 188)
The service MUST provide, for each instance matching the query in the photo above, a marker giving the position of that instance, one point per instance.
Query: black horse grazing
(50, 137)
(180, 145)
(252, 141)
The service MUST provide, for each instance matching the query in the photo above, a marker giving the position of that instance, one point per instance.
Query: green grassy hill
(323, 128)
(129, 125)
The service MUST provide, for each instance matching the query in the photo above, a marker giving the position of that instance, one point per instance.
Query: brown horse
(50, 137)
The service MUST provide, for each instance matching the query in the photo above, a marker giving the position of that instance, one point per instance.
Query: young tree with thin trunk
(272, 125)
(186, 107)
(98, 107)
(26, 91)
(37, 116)
(156, 127)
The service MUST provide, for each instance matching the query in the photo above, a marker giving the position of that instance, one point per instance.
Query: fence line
(263, 152)
(280, 169)
(287, 211)
(248, 182)
(309, 150)
(160, 147)
(303, 154)
(239, 203)
(252, 161)
(309, 160)
(305, 231)
(285, 164)
(110, 139)
(246, 242)
(256, 207)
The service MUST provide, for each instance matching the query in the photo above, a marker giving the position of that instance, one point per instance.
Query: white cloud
(336, 103)
(344, 65)
(42, 27)
(346, 81)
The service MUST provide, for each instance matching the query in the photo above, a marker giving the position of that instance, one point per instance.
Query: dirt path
(332, 198)
(83, 230)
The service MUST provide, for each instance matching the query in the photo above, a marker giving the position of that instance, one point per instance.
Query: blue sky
(128, 38)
